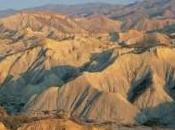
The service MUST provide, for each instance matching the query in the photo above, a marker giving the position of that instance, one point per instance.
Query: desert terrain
(98, 67)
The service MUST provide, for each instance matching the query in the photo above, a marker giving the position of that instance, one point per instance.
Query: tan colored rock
(85, 104)
(46, 102)
(100, 24)
(54, 124)
(61, 23)
(135, 37)
(131, 83)
(2, 127)
(132, 36)
(95, 82)
(58, 124)
(44, 65)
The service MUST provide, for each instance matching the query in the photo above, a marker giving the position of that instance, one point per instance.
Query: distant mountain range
(148, 8)
(144, 15)
(4, 13)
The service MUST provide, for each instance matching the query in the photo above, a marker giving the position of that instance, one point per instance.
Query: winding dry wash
(94, 67)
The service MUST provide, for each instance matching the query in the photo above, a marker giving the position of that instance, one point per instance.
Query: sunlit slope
(84, 78)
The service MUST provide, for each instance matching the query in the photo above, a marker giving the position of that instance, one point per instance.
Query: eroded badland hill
(76, 72)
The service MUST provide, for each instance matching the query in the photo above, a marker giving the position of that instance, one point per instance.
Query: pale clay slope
(85, 104)
(54, 56)
(39, 20)
(146, 24)
(135, 78)
(56, 124)
(49, 63)
(53, 24)
(53, 124)
(139, 37)
(94, 81)
(120, 79)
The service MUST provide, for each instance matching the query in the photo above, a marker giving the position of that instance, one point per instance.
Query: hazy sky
(19, 4)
